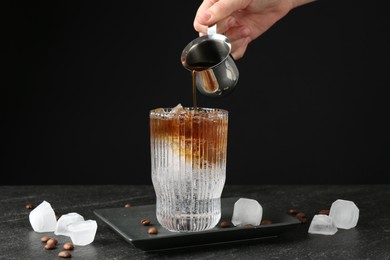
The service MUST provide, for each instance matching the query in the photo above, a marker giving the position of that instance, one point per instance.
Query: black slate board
(127, 223)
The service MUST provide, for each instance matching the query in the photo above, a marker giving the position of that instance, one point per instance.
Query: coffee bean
(52, 241)
(302, 219)
(145, 222)
(292, 211)
(29, 206)
(68, 246)
(248, 225)
(44, 239)
(127, 205)
(266, 222)
(225, 224)
(299, 215)
(50, 246)
(324, 211)
(152, 230)
(64, 254)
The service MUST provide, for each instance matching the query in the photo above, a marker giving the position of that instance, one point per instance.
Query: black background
(311, 104)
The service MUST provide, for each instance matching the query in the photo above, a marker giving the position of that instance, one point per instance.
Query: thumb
(211, 11)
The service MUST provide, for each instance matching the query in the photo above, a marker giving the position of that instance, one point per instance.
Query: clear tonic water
(188, 159)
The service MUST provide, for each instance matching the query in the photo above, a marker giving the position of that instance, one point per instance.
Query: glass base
(206, 217)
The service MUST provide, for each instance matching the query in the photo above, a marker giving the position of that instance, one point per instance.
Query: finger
(237, 32)
(202, 29)
(226, 24)
(202, 16)
(206, 4)
(239, 47)
(222, 26)
(211, 11)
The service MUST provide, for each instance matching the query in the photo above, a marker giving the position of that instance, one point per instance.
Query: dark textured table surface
(370, 239)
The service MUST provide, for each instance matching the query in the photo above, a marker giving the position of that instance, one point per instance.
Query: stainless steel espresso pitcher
(209, 58)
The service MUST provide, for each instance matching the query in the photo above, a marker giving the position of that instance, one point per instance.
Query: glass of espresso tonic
(188, 165)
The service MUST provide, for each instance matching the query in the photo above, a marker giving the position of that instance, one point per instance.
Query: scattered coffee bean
(29, 206)
(266, 222)
(292, 211)
(68, 246)
(299, 215)
(50, 246)
(64, 254)
(52, 241)
(225, 224)
(44, 239)
(152, 230)
(302, 219)
(248, 225)
(145, 222)
(127, 205)
(324, 211)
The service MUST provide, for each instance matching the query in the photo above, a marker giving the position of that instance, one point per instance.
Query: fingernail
(206, 16)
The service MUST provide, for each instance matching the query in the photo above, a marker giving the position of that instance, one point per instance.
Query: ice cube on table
(64, 221)
(322, 224)
(83, 232)
(247, 211)
(344, 213)
(43, 218)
